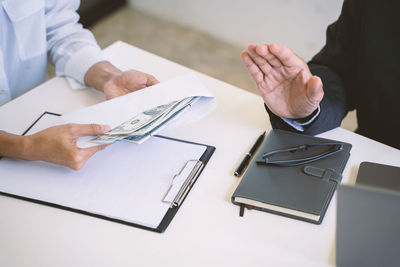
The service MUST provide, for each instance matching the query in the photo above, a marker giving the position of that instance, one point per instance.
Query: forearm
(99, 74)
(14, 146)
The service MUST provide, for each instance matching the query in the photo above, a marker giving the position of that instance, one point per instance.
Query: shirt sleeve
(299, 125)
(71, 48)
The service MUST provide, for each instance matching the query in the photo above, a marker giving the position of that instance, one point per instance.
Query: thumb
(88, 152)
(85, 154)
(314, 92)
(151, 80)
(89, 129)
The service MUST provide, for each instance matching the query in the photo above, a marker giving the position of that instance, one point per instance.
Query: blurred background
(209, 35)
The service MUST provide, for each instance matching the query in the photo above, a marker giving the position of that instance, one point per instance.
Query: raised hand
(284, 80)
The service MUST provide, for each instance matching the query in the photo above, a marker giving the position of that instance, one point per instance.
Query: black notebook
(293, 175)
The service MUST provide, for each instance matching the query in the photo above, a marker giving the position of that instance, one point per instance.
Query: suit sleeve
(335, 64)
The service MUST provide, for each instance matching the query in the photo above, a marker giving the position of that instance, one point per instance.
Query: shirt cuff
(299, 126)
(80, 62)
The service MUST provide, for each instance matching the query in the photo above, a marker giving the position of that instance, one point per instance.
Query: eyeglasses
(299, 155)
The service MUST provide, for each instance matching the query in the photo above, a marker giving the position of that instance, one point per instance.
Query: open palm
(283, 79)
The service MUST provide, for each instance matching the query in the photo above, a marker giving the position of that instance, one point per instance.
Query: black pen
(249, 155)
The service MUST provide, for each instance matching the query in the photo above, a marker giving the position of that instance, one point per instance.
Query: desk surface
(207, 230)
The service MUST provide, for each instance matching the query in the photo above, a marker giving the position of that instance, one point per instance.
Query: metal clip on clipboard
(182, 182)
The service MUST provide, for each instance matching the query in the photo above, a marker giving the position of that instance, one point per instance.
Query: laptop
(368, 218)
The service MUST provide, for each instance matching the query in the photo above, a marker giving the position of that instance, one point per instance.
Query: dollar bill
(107, 139)
(169, 113)
(140, 127)
(138, 138)
(138, 122)
(141, 120)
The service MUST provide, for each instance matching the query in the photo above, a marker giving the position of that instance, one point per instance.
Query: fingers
(134, 80)
(88, 152)
(127, 82)
(138, 80)
(315, 93)
(262, 63)
(252, 67)
(264, 52)
(88, 129)
(83, 154)
(282, 53)
(151, 80)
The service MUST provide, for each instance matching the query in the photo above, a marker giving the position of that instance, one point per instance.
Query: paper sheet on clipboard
(125, 181)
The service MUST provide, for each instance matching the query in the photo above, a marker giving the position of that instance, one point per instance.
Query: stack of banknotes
(139, 128)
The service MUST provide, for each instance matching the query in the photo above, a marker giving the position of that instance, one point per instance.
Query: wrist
(15, 146)
(27, 147)
(99, 74)
(309, 117)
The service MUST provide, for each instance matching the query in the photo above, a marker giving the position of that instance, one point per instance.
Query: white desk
(207, 230)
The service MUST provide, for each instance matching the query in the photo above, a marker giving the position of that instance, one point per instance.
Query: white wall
(300, 24)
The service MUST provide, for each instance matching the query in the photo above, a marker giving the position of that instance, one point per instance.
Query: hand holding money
(58, 145)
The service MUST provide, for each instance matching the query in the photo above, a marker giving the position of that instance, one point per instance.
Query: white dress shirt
(33, 31)
(299, 126)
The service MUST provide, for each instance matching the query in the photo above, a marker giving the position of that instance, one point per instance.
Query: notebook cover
(290, 187)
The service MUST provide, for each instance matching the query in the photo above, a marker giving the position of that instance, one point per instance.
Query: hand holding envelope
(165, 102)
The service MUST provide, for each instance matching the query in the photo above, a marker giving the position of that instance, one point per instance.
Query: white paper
(125, 181)
(118, 110)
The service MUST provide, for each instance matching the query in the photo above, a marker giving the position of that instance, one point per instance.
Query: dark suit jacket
(360, 69)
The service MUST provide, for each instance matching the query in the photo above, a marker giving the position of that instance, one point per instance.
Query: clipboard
(177, 189)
